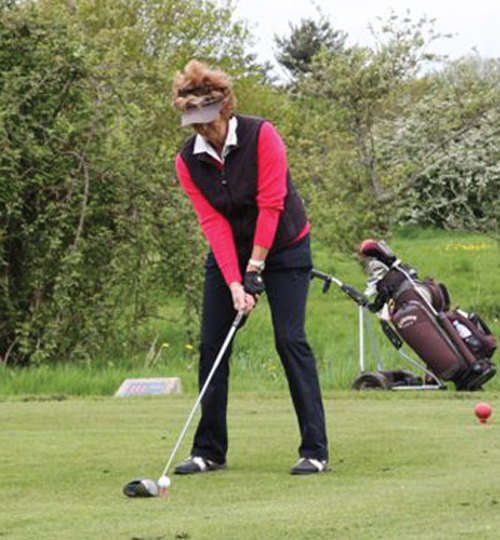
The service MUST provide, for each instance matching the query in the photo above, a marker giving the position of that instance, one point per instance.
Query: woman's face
(214, 132)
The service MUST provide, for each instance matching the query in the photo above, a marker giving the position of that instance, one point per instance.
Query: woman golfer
(234, 170)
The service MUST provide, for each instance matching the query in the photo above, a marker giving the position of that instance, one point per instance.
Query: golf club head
(377, 270)
(377, 249)
(143, 487)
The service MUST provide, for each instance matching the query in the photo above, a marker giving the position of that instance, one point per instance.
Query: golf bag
(455, 346)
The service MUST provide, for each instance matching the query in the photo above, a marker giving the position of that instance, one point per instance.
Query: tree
(345, 100)
(296, 52)
(449, 143)
(92, 223)
(363, 84)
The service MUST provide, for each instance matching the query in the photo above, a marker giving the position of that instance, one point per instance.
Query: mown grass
(406, 466)
(466, 262)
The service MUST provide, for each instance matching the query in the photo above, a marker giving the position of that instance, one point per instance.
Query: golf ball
(163, 486)
(164, 482)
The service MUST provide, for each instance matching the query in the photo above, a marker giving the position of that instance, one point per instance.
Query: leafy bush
(92, 223)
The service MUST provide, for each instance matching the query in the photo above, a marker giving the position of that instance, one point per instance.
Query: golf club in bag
(381, 379)
(455, 346)
(145, 487)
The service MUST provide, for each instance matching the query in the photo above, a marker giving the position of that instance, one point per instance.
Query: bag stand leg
(361, 340)
(365, 324)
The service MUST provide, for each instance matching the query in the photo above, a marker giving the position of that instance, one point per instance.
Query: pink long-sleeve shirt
(271, 193)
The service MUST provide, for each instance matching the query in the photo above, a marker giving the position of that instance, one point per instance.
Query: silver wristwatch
(259, 265)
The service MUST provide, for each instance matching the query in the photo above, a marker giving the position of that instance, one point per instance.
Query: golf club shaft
(222, 351)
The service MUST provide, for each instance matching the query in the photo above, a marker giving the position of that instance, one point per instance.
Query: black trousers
(286, 277)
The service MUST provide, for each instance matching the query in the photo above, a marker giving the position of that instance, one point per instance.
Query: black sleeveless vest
(232, 191)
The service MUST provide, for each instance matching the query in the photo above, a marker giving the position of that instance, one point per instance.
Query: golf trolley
(381, 378)
(452, 345)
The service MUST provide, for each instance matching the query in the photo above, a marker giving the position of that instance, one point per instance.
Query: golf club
(146, 487)
(378, 249)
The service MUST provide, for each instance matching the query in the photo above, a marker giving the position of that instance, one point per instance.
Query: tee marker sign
(151, 386)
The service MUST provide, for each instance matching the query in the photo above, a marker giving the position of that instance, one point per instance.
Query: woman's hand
(242, 301)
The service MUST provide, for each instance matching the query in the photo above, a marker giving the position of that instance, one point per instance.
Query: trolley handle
(358, 297)
(325, 277)
(353, 293)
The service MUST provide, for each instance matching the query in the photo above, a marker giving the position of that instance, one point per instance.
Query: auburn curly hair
(198, 85)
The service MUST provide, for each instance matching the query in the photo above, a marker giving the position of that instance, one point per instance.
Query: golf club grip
(225, 345)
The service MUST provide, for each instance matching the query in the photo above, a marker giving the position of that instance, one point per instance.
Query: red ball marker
(483, 412)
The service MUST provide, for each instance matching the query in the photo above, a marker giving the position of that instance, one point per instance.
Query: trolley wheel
(372, 380)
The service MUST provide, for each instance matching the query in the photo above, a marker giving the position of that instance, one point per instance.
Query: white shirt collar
(201, 146)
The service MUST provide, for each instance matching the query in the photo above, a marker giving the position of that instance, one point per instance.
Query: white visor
(201, 115)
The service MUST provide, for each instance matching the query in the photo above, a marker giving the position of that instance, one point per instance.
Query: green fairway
(403, 466)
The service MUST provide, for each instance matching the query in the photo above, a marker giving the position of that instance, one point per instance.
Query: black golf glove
(253, 283)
